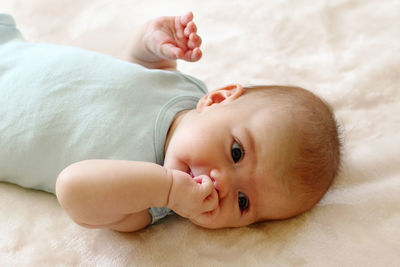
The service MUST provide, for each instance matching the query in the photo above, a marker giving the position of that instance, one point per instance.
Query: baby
(230, 157)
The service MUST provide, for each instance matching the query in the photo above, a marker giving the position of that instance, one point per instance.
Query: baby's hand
(190, 197)
(174, 38)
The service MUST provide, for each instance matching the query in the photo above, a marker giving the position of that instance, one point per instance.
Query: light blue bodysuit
(61, 104)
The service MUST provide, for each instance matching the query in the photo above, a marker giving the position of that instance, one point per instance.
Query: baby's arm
(117, 194)
(165, 39)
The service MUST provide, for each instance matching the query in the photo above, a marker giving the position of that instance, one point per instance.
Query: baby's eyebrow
(251, 144)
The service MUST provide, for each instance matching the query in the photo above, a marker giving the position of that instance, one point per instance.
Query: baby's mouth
(190, 173)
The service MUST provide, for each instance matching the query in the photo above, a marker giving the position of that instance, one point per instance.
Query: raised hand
(173, 38)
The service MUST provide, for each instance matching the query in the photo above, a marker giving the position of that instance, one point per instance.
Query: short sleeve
(8, 30)
(159, 213)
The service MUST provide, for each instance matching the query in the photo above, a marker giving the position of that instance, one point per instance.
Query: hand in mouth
(190, 173)
(197, 176)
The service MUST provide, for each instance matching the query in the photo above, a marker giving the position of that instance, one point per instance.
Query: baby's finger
(190, 28)
(207, 186)
(170, 51)
(197, 179)
(209, 194)
(193, 55)
(185, 19)
(196, 55)
(211, 201)
(194, 41)
(179, 28)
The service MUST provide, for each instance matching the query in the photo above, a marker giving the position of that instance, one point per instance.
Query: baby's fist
(189, 197)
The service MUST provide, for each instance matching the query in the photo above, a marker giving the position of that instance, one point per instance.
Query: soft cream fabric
(346, 51)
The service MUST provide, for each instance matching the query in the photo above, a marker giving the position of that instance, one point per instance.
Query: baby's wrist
(170, 178)
(178, 183)
(158, 185)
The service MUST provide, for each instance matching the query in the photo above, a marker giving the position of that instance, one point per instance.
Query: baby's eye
(237, 152)
(243, 202)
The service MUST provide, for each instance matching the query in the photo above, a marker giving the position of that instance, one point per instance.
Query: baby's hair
(318, 146)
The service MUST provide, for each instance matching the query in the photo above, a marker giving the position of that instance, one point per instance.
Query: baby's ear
(221, 95)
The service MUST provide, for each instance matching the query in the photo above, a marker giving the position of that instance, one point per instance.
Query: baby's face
(243, 149)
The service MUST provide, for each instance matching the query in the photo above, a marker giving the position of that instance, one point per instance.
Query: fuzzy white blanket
(347, 51)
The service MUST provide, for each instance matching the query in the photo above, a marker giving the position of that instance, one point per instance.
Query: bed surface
(348, 52)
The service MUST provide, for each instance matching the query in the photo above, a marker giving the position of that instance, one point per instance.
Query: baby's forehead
(264, 100)
(275, 137)
(288, 109)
